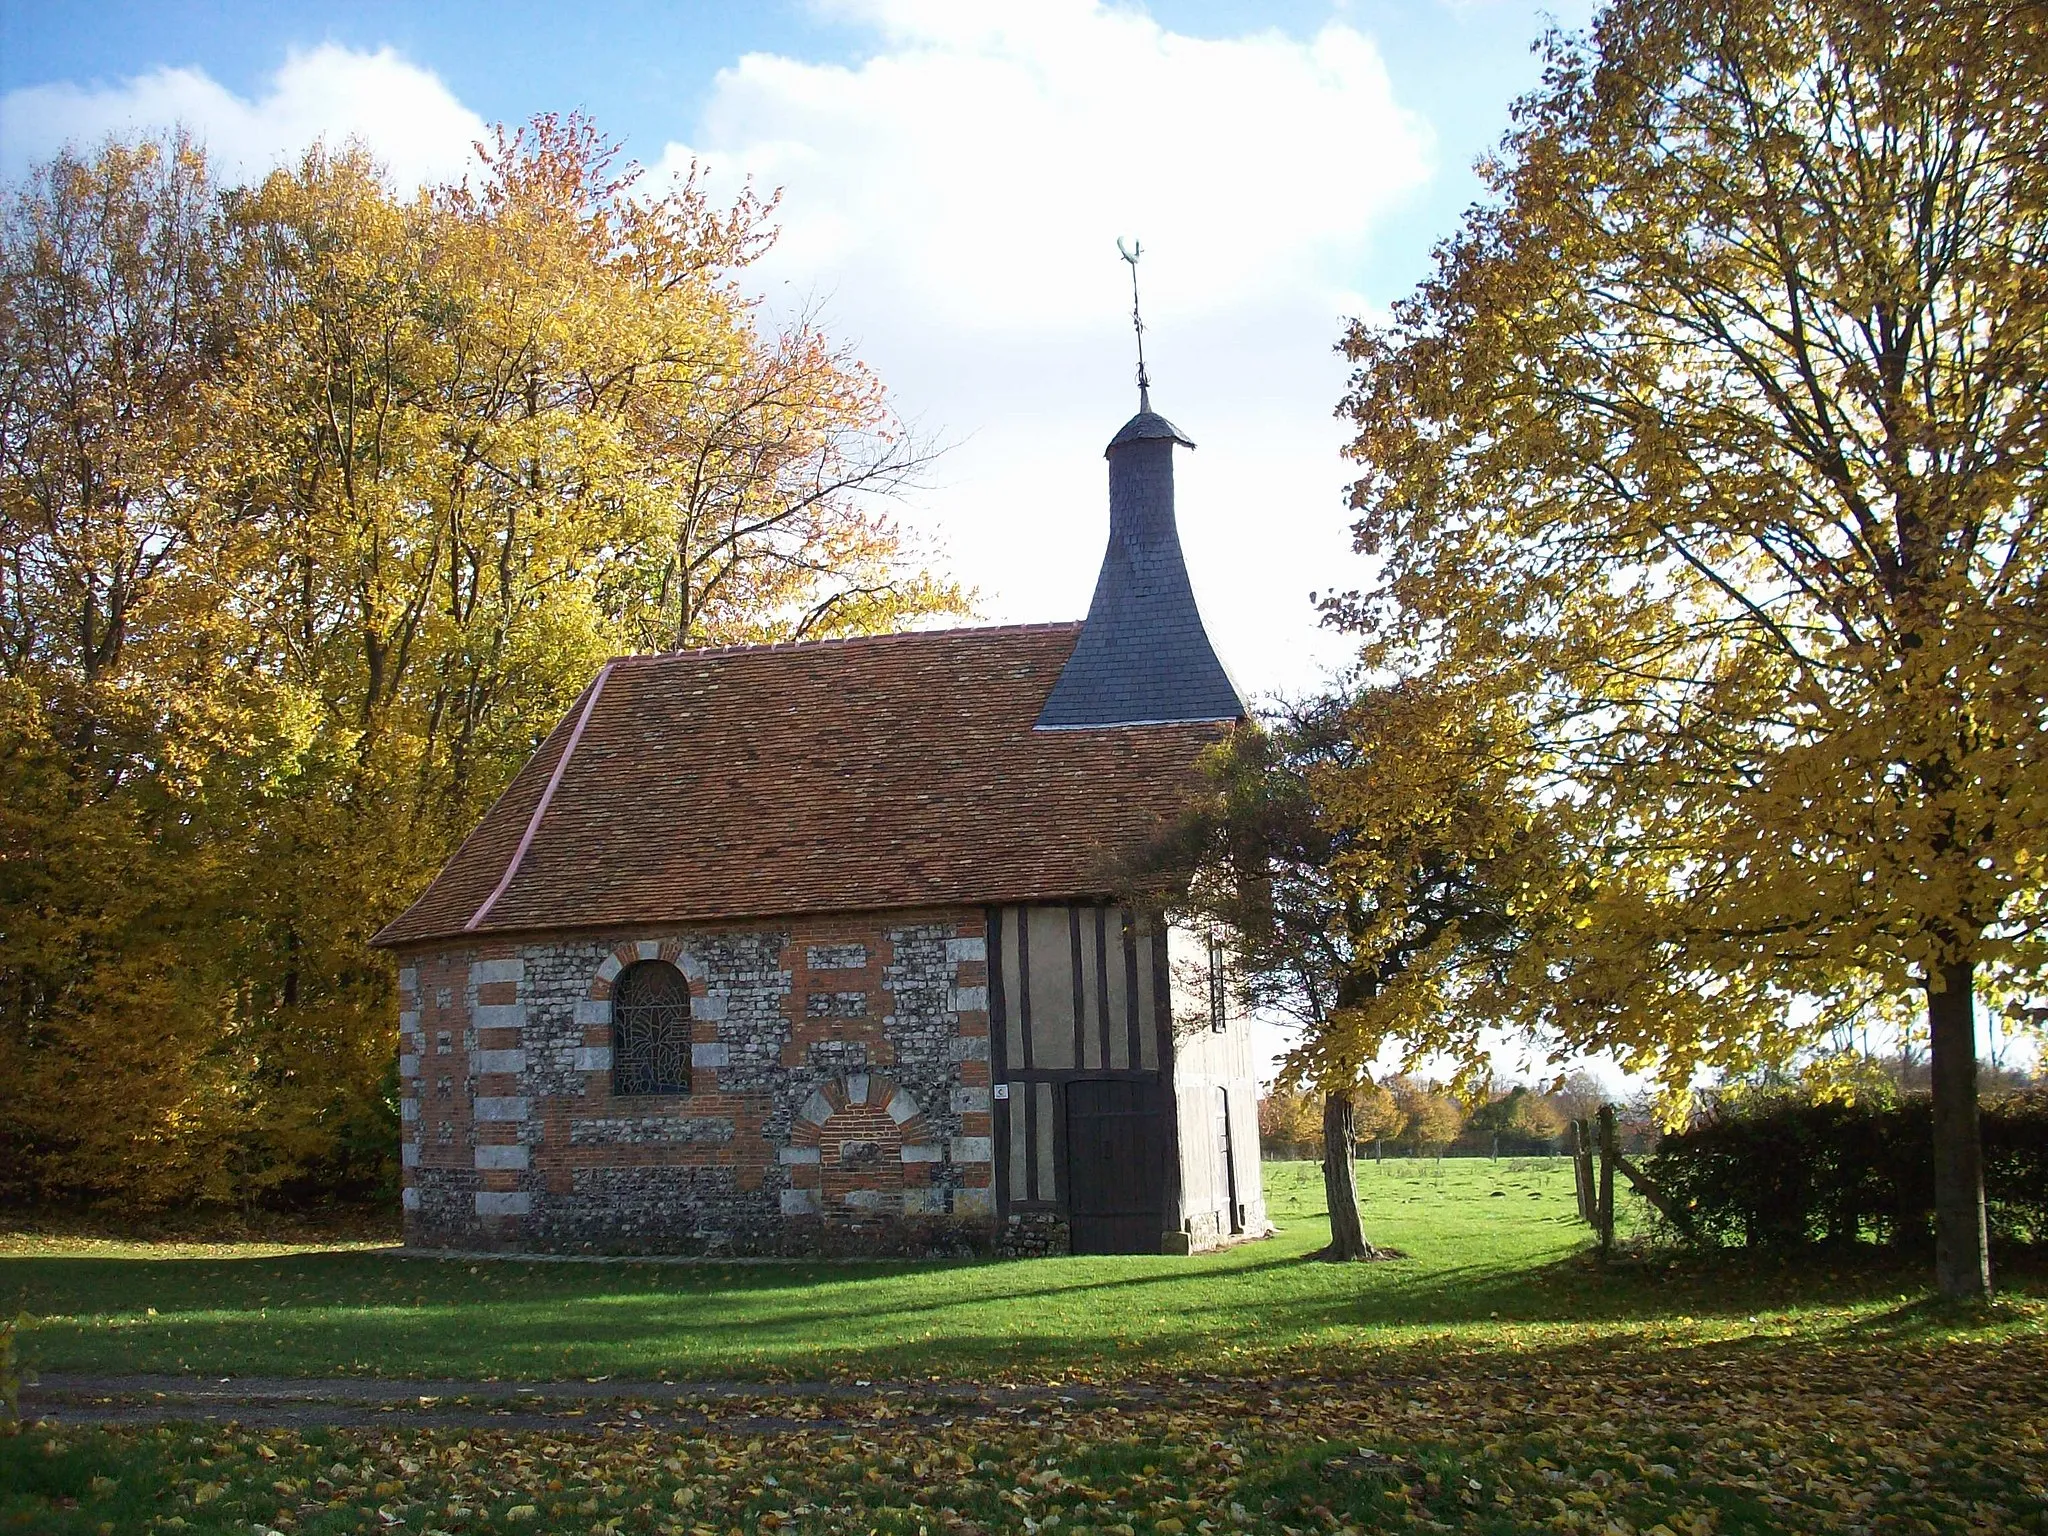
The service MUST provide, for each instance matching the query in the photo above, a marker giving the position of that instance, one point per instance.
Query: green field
(1496, 1379)
(1495, 1259)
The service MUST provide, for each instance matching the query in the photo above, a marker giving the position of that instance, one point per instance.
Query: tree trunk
(1340, 1182)
(1962, 1253)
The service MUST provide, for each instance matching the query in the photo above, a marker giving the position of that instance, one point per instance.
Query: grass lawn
(1495, 1260)
(1494, 1380)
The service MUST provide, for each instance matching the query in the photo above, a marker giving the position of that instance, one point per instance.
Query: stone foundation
(1034, 1234)
(1205, 1229)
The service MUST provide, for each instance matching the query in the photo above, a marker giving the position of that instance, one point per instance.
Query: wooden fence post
(1610, 1150)
(1582, 1169)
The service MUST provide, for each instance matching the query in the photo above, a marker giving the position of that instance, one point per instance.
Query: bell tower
(1143, 657)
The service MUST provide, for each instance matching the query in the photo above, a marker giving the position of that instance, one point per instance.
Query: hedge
(1794, 1173)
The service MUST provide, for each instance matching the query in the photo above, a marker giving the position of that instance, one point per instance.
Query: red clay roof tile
(841, 775)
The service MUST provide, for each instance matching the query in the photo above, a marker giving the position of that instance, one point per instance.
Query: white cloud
(403, 113)
(984, 158)
(955, 197)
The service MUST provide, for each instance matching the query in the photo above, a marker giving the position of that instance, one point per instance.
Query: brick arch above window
(629, 952)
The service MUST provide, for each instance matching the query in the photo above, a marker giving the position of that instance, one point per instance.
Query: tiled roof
(759, 781)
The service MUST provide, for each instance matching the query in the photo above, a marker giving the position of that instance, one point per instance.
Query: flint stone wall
(1033, 1235)
(528, 1149)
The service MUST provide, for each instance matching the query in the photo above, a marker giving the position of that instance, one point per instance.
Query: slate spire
(1143, 656)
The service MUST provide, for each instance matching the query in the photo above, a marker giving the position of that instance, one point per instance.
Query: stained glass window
(650, 1030)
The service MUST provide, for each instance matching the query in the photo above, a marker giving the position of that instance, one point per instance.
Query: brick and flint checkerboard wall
(839, 1096)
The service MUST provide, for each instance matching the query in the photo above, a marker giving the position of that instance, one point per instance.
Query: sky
(955, 176)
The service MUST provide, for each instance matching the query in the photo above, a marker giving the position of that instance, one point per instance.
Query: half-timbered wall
(1080, 990)
(1074, 991)
(1083, 998)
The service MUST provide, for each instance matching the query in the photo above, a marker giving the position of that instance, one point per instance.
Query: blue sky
(956, 173)
(647, 71)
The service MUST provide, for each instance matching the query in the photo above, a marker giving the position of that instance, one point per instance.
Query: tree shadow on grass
(354, 1312)
(1406, 1292)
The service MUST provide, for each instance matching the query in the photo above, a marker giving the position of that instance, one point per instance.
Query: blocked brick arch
(861, 1146)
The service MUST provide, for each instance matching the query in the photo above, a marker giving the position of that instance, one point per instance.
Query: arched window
(650, 1029)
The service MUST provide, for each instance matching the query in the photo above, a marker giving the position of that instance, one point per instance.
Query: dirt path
(594, 1407)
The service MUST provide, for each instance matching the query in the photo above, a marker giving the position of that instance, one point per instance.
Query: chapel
(815, 948)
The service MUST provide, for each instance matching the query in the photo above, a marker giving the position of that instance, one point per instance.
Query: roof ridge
(745, 647)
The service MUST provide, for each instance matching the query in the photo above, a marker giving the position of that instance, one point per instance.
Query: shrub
(1788, 1172)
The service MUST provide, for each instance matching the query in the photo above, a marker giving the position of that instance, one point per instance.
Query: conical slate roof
(1143, 657)
(1148, 423)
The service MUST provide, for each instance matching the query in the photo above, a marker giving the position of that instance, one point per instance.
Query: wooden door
(1226, 1165)
(1116, 1166)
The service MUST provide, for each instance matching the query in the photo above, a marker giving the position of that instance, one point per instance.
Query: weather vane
(1137, 324)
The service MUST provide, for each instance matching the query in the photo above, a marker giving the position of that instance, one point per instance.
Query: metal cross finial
(1137, 324)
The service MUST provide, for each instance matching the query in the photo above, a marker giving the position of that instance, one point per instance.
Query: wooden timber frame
(1112, 1015)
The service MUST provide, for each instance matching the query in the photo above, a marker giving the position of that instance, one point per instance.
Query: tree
(1533, 1116)
(1359, 853)
(317, 507)
(1434, 1117)
(1717, 441)
(1288, 1117)
(1520, 1113)
(112, 321)
(1378, 1116)
(114, 713)
(1579, 1095)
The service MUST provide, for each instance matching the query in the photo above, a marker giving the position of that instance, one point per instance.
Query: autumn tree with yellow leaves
(1434, 1117)
(1365, 851)
(318, 504)
(1378, 1117)
(1288, 1117)
(1716, 442)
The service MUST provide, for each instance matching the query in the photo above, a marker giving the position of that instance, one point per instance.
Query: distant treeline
(1403, 1116)
(1406, 1116)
